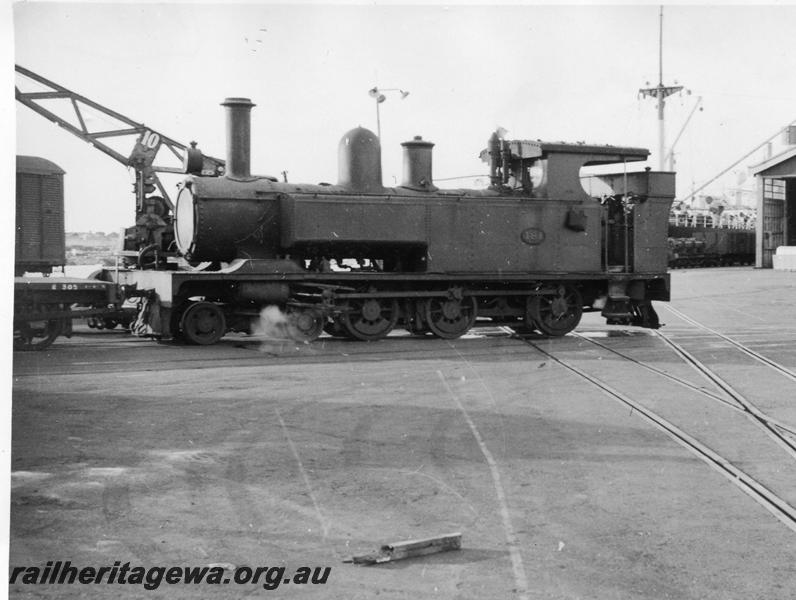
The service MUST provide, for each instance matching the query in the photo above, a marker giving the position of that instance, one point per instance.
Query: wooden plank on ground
(410, 549)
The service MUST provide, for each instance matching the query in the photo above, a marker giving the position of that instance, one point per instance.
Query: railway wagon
(39, 242)
(357, 258)
(710, 246)
(45, 306)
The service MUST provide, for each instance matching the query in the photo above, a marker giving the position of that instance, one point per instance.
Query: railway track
(781, 433)
(748, 351)
(742, 405)
(774, 428)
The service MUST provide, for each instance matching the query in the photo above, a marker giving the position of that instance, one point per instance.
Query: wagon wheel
(203, 323)
(304, 324)
(370, 318)
(36, 335)
(558, 314)
(450, 317)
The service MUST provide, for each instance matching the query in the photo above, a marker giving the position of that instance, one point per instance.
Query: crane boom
(145, 150)
(153, 231)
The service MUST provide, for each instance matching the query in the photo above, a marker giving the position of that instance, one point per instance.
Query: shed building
(776, 206)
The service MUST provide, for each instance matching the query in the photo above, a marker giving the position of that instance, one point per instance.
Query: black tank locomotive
(358, 259)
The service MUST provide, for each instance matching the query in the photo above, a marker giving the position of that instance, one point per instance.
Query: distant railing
(724, 221)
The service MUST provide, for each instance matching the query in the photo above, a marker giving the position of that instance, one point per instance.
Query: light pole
(378, 95)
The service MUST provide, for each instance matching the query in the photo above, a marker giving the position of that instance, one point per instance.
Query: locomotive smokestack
(417, 165)
(238, 137)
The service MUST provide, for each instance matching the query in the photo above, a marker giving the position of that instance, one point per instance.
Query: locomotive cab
(633, 212)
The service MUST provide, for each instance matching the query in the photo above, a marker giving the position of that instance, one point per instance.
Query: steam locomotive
(357, 259)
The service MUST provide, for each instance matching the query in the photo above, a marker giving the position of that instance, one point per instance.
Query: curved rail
(757, 491)
(758, 417)
(756, 355)
(753, 410)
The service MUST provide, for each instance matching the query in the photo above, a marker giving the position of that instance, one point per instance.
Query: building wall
(790, 212)
(776, 209)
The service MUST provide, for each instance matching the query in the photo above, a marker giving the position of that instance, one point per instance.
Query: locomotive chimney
(417, 165)
(238, 137)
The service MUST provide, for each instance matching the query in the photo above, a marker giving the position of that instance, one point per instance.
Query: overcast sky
(540, 71)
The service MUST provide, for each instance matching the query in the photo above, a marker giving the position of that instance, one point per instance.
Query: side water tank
(359, 161)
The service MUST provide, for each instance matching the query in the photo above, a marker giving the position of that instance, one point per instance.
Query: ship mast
(660, 92)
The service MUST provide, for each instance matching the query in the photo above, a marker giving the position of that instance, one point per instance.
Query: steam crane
(153, 233)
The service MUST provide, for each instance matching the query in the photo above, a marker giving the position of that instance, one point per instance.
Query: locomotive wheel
(370, 318)
(203, 323)
(304, 324)
(559, 314)
(36, 335)
(450, 318)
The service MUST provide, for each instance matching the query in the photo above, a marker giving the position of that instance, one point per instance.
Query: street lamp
(378, 95)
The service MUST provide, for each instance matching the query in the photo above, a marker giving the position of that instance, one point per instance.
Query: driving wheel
(203, 323)
(450, 317)
(556, 314)
(304, 324)
(370, 318)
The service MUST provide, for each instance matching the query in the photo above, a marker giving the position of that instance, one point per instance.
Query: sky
(558, 73)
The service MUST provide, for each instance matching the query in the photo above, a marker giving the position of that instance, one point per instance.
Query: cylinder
(359, 161)
(238, 137)
(417, 165)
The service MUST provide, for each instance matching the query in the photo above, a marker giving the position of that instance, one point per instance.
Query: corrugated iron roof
(774, 161)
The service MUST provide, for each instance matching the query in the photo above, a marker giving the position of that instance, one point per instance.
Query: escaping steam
(271, 324)
(275, 331)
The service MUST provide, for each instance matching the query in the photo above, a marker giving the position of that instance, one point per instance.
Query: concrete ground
(263, 453)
